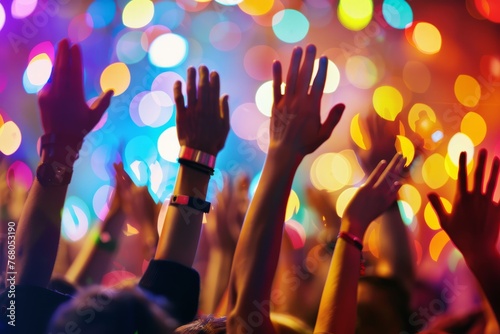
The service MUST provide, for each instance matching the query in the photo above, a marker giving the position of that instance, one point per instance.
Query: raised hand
(474, 223)
(375, 196)
(204, 123)
(296, 123)
(224, 224)
(62, 101)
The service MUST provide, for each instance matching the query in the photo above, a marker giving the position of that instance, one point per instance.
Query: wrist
(352, 226)
(283, 159)
(60, 148)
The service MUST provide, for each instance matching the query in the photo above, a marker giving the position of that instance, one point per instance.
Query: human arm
(296, 130)
(201, 125)
(222, 231)
(474, 223)
(64, 114)
(395, 253)
(337, 310)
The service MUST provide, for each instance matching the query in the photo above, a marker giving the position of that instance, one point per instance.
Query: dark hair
(104, 310)
(204, 325)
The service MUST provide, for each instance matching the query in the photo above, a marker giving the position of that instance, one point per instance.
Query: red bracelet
(197, 156)
(351, 239)
(358, 243)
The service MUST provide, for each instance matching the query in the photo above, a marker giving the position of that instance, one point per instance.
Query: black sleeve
(179, 284)
(28, 309)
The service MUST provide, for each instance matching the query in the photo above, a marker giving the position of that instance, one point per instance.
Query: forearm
(396, 259)
(99, 250)
(337, 310)
(258, 247)
(486, 269)
(38, 234)
(181, 230)
(216, 280)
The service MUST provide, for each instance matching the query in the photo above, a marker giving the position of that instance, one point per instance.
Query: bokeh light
(292, 206)
(490, 9)
(19, 175)
(430, 216)
(474, 126)
(258, 61)
(80, 28)
(129, 49)
(361, 72)
(397, 13)
(332, 76)
(410, 194)
(10, 138)
(155, 108)
(138, 13)
(39, 69)
(168, 50)
(290, 26)
(168, 145)
(225, 36)
(264, 98)
(2, 16)
(406, 148)
(102, 12)
(75, 219)
(246, 121)
(115, 76)
(427, 38)
(433, 171)
(438, 242)
(101, 201)
(355, 14)
(458, 143)
(256, 7)
(359, 134)
(23, 8)
(388, 102)
(344, 199)
(467, 90)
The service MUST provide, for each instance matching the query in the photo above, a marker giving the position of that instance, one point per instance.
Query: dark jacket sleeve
(179, 284)
(28, 309)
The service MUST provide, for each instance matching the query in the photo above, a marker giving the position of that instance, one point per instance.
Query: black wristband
(200, 168)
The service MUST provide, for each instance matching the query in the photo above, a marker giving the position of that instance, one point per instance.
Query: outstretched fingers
(319, 80)
(462, 173)
(306, 70)
(479, 174)
(293, 73)
(438, 206)
(277, 81)
(492, 182)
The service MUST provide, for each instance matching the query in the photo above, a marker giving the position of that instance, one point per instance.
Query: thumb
(331, 122)
(437, 204)
(99, 107)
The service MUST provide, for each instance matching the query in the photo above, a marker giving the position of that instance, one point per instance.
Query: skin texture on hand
(203, 123)
(474, 223)
(62, 101)
(296, 126)
(375, 196)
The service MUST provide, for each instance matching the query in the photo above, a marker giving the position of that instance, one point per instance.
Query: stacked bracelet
(191, 202)
(196, 159)
(356, 242)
